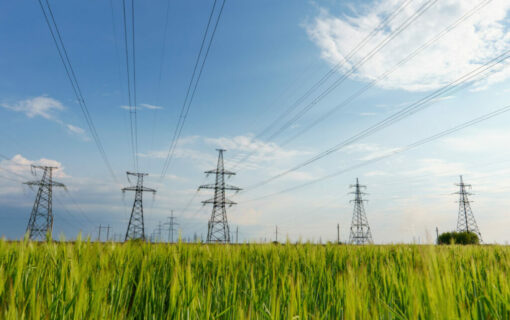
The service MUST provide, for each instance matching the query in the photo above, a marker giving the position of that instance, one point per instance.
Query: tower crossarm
(142, 189)
(214, 200)
(214, 186)
(221, 171)
(44, 184)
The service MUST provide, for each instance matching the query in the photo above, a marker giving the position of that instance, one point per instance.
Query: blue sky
(264, 57)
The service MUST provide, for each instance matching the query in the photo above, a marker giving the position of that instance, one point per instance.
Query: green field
(192, 281)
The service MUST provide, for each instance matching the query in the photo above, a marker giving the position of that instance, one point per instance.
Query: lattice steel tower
(360, 230)
(217, 228)
(136, 228)
(466, 220)
(41, 218)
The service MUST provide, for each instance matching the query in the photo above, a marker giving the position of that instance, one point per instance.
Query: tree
(458, 238)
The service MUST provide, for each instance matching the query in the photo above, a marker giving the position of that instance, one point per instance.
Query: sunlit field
(195, 281)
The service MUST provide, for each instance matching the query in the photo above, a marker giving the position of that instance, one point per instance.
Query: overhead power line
(399, 115)
(407, 22)
(385, 75)
(334, 69)
(131, 83)
(64, 57)
(192, 87)
(394, 152)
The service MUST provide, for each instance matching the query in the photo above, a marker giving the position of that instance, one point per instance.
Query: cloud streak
(47, 108)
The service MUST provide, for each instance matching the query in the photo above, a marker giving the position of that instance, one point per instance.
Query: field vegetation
(85, 280)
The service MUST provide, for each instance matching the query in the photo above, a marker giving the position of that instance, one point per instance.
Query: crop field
(85, 280)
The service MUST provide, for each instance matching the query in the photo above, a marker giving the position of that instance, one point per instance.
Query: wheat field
(87, 280)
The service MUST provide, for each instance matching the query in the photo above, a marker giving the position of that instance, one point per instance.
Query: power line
(189, 98)
(332, 71)
(399, 115)
(64, 57)
(383, 76)
(345, 76)
(131, 103)
(353, 68)
(161, 68)
(394, 152)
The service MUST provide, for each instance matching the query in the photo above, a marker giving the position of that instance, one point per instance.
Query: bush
(458, 238)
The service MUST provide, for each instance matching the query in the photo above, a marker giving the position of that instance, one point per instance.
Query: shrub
(458, 238)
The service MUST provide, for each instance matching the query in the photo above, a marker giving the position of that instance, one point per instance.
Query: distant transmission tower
(41, 218)
(218, 230)
(136, 229)
(360, 230)
(171, 226)
(466, 221)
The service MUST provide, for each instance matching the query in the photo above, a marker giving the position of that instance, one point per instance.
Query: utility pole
(337, 233)
(466, 220)
(107, 232)
(217, 228)
(40, 223)
(437, 235)
(360, 230)
(276, 232)
(171, 226)
(237, 234)
(136, 228)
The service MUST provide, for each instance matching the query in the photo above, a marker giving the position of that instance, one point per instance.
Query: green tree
(458, 238)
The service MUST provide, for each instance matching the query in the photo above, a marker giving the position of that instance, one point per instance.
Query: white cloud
(370, 151)
(142, 106)
(437, 167)
(262, 151)
(472, 43)
(77, 131)
(41, 106)
(20, 165)
(150, 106)
(482, 141)
(376, 173)
(46, 108)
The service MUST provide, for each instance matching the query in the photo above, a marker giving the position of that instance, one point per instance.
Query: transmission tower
(136, 229)
(171, 226)
(360, 230)
(41, 218)
(466, 220)
(217, 229)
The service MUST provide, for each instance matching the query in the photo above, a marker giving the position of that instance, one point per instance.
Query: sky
(283, 82)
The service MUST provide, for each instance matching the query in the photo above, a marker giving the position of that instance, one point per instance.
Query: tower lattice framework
(360, 230)
(217, 228)
(136, 227)
(40, 223)
(466, 220)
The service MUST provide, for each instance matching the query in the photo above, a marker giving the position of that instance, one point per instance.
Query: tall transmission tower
(171, 226)
(41, 218)
(136, 228)
(360, 230)
(466, 220)
(218, 229)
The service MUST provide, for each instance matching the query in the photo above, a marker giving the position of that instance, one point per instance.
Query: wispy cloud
(151, 107)
(47, 108)
(471, 44)
(143, 106)
(41, 106)
(20, 165)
